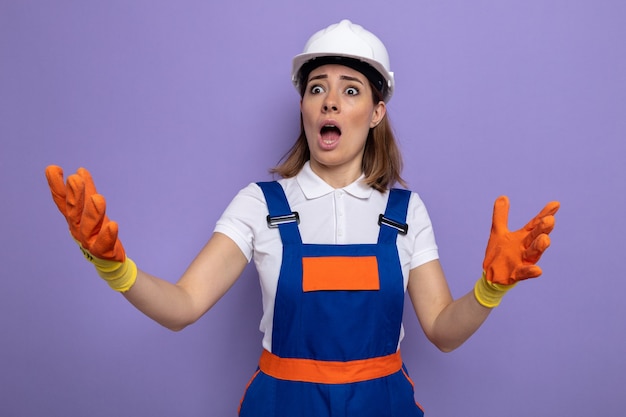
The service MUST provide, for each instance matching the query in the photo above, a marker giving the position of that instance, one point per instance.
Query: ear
(380, 109)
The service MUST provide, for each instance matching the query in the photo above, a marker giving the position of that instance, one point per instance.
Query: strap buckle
(402, 228)
(275, 221)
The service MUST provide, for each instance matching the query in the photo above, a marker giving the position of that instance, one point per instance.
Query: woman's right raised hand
(85, 212)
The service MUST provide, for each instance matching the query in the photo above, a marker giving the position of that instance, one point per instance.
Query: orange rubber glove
(85, 213)
(512, 256)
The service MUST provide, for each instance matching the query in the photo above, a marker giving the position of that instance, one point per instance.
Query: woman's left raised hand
(512, 256)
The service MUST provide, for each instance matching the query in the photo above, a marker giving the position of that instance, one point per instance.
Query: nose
(331, 104)
(330, 108)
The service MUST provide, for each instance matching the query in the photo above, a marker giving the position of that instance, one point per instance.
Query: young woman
(335, 246)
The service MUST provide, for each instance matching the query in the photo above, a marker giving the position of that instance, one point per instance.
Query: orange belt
(329, 372)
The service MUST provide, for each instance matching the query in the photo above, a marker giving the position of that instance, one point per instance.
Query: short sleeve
(242, 217)
(424, 247)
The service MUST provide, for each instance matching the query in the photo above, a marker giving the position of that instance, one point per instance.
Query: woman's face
(337, 114)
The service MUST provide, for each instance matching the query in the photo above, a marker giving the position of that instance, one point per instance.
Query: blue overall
(338, 326)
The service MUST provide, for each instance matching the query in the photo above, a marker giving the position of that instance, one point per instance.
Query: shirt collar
(314, 187)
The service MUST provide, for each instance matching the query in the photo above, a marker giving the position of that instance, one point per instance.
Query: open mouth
(330, 130)
(330, 134)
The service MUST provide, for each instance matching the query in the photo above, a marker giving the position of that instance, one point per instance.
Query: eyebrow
(342, 77)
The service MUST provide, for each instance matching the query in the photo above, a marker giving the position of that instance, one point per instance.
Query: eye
(352, 91)
(316, 89)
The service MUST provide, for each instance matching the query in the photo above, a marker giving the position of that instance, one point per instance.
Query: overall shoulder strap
(393, 221)
(280, 214)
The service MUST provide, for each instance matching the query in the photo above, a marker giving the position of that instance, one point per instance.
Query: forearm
(457, 322)
(446, 322)
(166, 303)
(211, 274)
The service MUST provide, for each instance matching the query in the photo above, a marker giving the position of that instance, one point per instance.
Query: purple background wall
(174, 106)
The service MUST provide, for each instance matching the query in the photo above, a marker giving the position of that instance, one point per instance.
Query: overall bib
(336, 327)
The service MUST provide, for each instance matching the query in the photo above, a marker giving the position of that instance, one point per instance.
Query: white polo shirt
(346, 215)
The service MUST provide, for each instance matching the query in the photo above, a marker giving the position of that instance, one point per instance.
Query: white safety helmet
(346, 43)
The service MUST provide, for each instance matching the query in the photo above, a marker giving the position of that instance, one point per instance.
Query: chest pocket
(336, 273)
